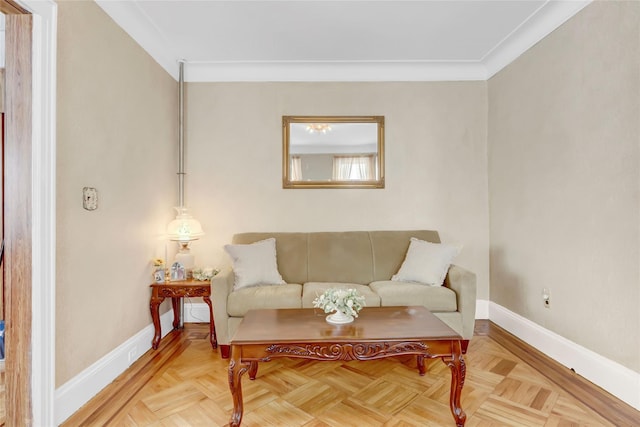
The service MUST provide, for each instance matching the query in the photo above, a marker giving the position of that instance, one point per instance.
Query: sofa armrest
(463, 283)
(221, 286)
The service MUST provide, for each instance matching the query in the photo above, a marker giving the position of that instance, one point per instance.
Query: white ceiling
(332, 40)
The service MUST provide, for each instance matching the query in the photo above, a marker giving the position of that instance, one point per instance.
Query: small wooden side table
(175, 291)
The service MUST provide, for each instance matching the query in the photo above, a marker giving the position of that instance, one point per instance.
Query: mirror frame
(286, 164)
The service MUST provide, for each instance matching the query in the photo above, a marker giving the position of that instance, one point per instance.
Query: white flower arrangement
(346, 301)
(206, 273)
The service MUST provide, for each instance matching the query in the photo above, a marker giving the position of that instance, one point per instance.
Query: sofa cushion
(255, 264)
(312, 290)
(435, 298)
(283, 296)
(426, 262)
(343, 257)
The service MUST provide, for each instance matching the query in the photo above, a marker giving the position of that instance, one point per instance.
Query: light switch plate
(90, 198)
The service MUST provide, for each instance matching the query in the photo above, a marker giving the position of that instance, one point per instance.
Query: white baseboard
(618, 380)
(80, 389)
(196, 312)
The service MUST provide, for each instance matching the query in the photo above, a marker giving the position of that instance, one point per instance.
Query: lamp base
(187, 260)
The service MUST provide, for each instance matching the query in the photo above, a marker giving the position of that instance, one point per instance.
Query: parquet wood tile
(275, 414)
(190, 388)
(2, 393)
(424, 411)
(316, 423)
(140, 415)
(343, 413)
(407, 378)
(284, 381)
(388, 398)
(337, 376)
(174, 399)
(315, 397)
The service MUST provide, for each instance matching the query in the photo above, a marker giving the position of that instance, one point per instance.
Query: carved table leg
(175, 302)
(154, 305)
(212, 326)
(253, 370)
(458, 372)
(421, 368)
(236, 370)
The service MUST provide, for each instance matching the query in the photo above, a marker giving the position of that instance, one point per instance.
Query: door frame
(36, 379)
(45, 14)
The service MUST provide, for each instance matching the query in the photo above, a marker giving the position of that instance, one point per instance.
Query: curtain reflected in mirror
(333, 151)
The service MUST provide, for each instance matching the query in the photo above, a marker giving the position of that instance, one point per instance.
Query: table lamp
(184, 229)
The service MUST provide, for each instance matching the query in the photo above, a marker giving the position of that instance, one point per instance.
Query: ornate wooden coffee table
(379, 332)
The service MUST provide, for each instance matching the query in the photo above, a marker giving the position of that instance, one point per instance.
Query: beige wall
(563, 131)
(117, 129)
(564, 135)
(435, 163)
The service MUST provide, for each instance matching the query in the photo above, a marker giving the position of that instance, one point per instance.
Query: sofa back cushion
(340, 257)
(345, 256)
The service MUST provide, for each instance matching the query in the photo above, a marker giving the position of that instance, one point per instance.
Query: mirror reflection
(333, 152)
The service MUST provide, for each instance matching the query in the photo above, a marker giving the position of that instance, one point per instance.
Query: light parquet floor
(3, 393)
(190, 389)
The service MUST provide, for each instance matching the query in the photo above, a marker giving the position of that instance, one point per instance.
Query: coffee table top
(373, 324)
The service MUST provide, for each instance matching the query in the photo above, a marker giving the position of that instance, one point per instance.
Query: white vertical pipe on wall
(181, 135)
(181, 159)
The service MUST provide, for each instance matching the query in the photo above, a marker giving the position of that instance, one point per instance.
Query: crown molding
(321, 71)
(137, 24)
(541, 23)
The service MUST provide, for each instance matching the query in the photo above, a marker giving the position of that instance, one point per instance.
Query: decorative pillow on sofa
(426, 262)
(255, 264)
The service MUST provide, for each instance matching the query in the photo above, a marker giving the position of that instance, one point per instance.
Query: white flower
(206, 273)
(345, 300)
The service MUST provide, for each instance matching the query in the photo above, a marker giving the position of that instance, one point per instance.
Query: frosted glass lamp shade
(184, 228)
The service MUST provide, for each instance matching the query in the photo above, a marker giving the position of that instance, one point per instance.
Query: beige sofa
(366, 260)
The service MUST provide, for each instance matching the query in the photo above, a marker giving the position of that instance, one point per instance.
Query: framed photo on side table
(178, 272)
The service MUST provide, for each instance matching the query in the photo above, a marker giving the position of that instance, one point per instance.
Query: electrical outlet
(90, 198)
(546, 298)
(132, 355)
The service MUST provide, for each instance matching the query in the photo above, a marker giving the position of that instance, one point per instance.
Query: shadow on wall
(507, 288)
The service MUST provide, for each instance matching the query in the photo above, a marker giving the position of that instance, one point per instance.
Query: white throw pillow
(255, 264)
(426, 262)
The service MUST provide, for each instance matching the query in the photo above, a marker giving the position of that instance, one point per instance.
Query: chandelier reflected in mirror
(318, 127)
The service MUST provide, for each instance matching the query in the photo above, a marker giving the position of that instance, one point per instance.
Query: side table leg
(212, 325)
(458, 373)
(236, 370)
(154, 305)
(175, 303)
(253, 370)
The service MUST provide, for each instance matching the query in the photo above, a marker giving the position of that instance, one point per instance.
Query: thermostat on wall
(90, 198)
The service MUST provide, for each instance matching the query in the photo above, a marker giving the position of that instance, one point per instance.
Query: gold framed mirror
(333, 151)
